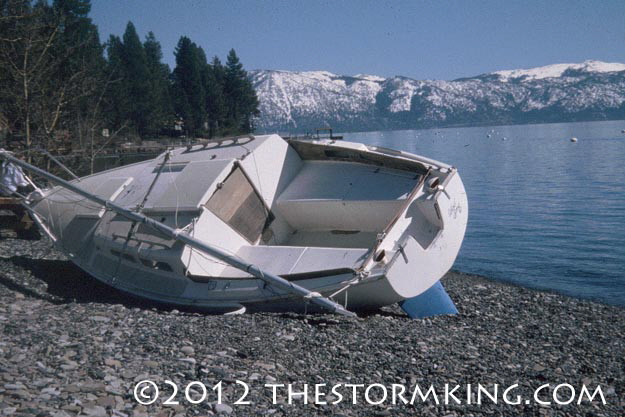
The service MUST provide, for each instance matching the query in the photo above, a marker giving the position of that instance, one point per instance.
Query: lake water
(543, 212)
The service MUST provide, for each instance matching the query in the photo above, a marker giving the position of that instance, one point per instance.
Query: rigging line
(193, 251)
(64, 194)
(42, 223)
(340, 290)
(50, 219)
(9, 192)
(208, 273)
(172, 181)
(192, 233)
(210, 259)
(52, 191)
(133, 227)
(158, 174)
(73, 202)
(32, 183)
(83, 202)
(260, 186)
(59, 163)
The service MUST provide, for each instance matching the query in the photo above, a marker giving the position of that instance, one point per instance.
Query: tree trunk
(26, 88)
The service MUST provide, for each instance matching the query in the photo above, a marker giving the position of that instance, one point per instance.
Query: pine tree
(56, 82)
(139, 92)
(160, 111)
(240, 97)
(189, 93)
(136, 79)
(215, 105)
(118, 101)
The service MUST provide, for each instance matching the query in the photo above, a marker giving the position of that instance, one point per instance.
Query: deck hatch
(184, 190)
(237, 204)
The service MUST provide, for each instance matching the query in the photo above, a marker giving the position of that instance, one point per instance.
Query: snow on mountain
(303, 101)
(402, 93)
(559, 70)
(286, 97)
(367, 77)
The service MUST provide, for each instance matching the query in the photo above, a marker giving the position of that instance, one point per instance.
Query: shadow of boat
(62, 282)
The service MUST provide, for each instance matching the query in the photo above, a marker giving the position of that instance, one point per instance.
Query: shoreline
(455, 126)
(511, 283)
(70, 347)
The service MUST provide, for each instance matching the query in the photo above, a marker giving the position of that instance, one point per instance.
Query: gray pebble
(223, 409)
(56, 362)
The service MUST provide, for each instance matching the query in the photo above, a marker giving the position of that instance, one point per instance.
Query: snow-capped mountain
(558, 70)
(303, 101)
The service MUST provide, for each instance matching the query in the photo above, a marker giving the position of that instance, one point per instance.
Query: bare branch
(48, 45)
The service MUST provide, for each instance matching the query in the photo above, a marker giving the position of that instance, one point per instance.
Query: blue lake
(544, 212)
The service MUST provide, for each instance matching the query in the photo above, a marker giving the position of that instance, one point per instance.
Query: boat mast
(187, 239)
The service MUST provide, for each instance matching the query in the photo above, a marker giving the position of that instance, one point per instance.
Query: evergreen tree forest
(62, 88)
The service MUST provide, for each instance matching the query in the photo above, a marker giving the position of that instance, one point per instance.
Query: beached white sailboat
(262, 223)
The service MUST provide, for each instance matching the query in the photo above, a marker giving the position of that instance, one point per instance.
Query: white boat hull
(364, 226)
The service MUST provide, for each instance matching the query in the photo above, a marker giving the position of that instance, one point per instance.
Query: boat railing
(219, 142)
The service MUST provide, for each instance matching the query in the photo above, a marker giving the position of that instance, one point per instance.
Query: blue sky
(422, 39)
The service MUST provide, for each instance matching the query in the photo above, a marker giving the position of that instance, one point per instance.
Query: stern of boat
(422, 245)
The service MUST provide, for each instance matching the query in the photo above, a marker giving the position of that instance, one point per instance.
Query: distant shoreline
(442, 127)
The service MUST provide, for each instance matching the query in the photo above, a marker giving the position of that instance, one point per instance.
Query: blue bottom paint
(433, 302)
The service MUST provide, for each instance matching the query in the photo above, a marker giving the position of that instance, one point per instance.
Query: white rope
(340, 290)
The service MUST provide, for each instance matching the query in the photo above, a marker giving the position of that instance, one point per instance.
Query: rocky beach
(71, 346)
